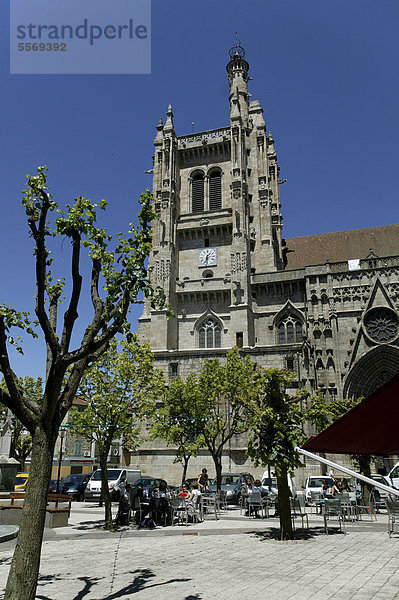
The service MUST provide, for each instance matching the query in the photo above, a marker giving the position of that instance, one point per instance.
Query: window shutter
(215, 191)
(198, 193)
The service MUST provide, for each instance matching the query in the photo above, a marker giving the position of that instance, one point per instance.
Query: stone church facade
(324, 306)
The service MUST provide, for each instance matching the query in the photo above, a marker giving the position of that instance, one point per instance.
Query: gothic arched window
(215, 190)
(197, 193)
(289, 331)
(210, 334)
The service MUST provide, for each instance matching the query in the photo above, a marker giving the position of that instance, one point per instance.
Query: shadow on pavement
(141, 580)
(273, 533)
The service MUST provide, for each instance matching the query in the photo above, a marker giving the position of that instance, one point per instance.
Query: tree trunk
(24, 571)
(185, 467)
(105, 495)
(218, 468)
(364, 467)
(284, 506)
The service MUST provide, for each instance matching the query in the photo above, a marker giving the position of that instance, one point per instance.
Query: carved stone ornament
(381, 324)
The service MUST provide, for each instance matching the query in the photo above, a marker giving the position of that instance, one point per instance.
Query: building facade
(324, 306)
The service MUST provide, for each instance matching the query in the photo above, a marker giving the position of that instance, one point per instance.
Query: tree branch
(72, 314)
(41, 274)
(24, 408)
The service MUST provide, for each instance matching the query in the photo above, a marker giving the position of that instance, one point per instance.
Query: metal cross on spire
(237, 51)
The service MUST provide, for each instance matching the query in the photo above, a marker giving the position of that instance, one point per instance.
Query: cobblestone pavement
(231, 558)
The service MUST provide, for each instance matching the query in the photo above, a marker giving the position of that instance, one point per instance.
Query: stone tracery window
(289, 331)
(210, 334)
(381, 324)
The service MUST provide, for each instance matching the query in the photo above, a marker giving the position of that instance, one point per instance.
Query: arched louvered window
(289, 331)
(215, 190)
(210, 334)
(198, 193)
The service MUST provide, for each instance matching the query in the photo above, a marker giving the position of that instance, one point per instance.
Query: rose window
(381, 324)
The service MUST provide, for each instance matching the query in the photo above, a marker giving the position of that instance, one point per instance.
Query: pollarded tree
(175, 423)
(120, 388)
(117, 276)
(274, 422)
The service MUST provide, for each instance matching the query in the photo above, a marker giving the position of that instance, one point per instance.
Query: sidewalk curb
(8, 532)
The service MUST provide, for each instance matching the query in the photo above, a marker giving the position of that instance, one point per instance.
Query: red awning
(371, 427)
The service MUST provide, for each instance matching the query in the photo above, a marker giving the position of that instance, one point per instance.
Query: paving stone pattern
(209, 560)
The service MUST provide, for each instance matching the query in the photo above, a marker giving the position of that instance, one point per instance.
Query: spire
(237, 69)
(159, 136)
(169, 128)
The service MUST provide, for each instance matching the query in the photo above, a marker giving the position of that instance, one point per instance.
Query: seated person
(184, 492)
(195, 494)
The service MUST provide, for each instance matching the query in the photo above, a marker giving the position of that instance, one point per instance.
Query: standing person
(123, 516)
(203, 481)
(331, 473)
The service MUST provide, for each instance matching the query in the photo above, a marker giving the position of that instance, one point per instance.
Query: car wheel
(81, 498)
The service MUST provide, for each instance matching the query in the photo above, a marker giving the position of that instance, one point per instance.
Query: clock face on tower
(207, 257)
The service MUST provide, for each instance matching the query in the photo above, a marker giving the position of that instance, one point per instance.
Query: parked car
(392, 478)
(231, 483)
(314, 484)
(75, 485)
(269, 486)
(52, 486)
(21, 481)
(271, 482)
(117, 479)
(381, 496)
(148, 484)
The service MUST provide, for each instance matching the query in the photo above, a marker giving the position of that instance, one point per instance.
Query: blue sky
(325, 72)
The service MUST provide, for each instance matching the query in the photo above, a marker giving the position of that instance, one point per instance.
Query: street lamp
(62, 433)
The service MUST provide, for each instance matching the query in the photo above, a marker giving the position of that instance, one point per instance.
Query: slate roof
(342, 246)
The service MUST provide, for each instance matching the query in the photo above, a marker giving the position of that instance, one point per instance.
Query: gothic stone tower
(325, 306)
(217, 199)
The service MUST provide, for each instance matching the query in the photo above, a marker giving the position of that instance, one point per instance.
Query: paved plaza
(234, 557)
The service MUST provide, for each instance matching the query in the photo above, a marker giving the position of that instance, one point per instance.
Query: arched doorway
(372, 370)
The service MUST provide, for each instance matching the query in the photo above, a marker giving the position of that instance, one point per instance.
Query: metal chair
(179, 510)
(223, 500)
(393, 515)
(210, 505)
(368, 509)
(333, 508)
(298, 510)
(255, 504)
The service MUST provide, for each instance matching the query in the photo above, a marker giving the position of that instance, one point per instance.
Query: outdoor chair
(298, 511)
(393, 515)
(210, 505)
(223, 500)
(316, 500)
(367, 508)
(255, 504)
(179, 510)
(332, 508)
(348, 508)
(195, 510)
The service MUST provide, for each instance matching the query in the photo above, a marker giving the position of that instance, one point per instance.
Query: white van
(393, 476)
(117, 480)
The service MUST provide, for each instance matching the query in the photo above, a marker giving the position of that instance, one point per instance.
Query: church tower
(216, 196)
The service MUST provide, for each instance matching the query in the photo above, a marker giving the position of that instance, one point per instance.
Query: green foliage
(274, 420)
(122, 270)
(120, 388)
(321, 413)
(175, 422)
(223, 393)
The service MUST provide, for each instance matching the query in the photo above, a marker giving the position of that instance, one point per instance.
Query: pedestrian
(123, 514)
(203, 481)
